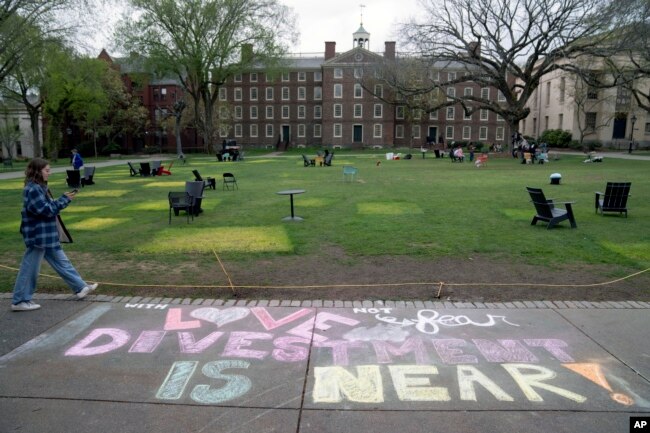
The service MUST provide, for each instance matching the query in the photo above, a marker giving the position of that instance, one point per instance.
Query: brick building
(322, 101)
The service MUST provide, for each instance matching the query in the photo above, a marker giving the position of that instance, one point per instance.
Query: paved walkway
(115, 364)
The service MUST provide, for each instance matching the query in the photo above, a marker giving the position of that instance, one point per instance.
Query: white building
(563, 101)
(15, 115)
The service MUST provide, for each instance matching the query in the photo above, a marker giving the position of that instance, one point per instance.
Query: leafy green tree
(200, 43)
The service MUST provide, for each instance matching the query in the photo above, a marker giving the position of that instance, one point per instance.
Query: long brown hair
(33, 172)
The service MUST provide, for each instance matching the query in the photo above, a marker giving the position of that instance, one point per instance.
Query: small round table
(290, 193)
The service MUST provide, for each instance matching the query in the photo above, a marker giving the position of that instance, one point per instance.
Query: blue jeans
(31, 265)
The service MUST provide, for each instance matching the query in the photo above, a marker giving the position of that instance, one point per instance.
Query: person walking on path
(77, 160)
(41, 235)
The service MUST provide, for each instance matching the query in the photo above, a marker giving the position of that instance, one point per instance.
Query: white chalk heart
(220, 317)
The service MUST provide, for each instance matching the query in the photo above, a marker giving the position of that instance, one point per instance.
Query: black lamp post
(633, 120)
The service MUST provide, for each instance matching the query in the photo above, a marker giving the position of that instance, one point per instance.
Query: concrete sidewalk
(115, 364)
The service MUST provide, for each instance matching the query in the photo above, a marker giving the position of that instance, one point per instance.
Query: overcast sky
(336, 20)
(317, 20)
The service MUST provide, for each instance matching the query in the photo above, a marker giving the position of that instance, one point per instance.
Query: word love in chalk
(430, 321)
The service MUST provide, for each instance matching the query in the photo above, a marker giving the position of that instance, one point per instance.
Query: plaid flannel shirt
(38, 225)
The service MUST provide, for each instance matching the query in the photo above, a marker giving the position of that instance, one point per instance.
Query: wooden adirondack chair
(546, 210)
(614, 199)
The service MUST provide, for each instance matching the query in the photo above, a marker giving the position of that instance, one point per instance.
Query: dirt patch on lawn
(333, 275)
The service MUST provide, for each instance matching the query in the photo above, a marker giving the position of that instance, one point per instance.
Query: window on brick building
(223, 130)
(285, 93)
(238, 130)
(358, 110)
(253, 93)
(358, 91)
(500, 131)
(338, 110)
(269, 93)
(338, 130)
(318, 93)
(253, 77)
(379, 91)
(467, 132)
(318, 112)
(253, 130)
(238, 112)
(237, 78)
(301, 130)
(499, 118)
(378, 111)
(399, 112)
(451, 113)
(482, 133)
(163, 94)
(223, 94)
(302, 76)
(415, 131)
(269, 111)
(338, 90)
(417, 114)
(318, 76)
(301, 112)
(358, 73)
(433, 115)
(269, 130)
(285, 111)
(485, 93)
(451, 93)
(338, 73)
(253, 111)
(467, 115)
(484, 114)
(449, 133)
(399, 131)
(317, 131)
(302, 93)
(500, 96)
(451, 76)
(238, 93)
(285, 76)
(468, 91)
(377, 130)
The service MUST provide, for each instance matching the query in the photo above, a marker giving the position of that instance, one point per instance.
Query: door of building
(620, 125)
(358, 134)
(286, 134)
(432, 137)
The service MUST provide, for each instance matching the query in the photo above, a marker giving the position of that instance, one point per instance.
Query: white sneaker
(84, 292)
(25, 306)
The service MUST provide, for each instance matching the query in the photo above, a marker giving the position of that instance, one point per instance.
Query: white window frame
(337, 111)
(318, 130)
(286, 76)
(302, 112)
(357, 112)
(500, 132)
(377, 130)
(223, 94)
(253, 77)
(238, 93)
(253, 112)
(239, 130)
(269, 93)
(338, 73)
(253, 94)
(302, 76)
(318, 93)
(318, 111)
(338, 91)
(449, 132)
(379, 91)
(415, 131)
(399, 131)
(286, 112)
(269, 112)
(239, 113)
(451, 113)
(467, 132)
(337, 130)
(399, 112)
(485, 115)
(254, 130)
(318, 76)
(268, 130)
(433, 115)
(378, 111)
(358, 91)
(301, 130)
(302, 93)
(286, 94)
(485, 93)
(483, 133)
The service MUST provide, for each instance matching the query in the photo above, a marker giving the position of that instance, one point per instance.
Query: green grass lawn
(428, 208)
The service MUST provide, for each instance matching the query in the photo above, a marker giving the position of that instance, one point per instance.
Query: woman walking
(41, 236)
